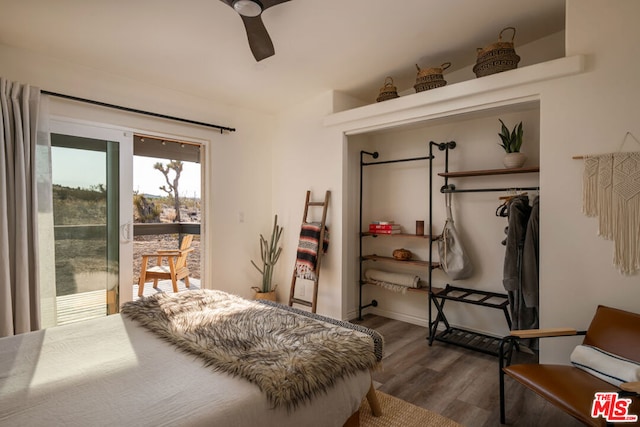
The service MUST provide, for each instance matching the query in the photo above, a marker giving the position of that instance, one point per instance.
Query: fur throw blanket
(290, 357)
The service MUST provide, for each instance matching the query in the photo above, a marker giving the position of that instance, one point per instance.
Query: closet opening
(399, 194)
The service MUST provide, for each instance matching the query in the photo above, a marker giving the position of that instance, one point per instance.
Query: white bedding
(111, 371)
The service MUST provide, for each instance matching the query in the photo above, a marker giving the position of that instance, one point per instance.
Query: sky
(85, 169)
(147, 180)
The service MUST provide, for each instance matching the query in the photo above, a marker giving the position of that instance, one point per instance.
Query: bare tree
(171, 188)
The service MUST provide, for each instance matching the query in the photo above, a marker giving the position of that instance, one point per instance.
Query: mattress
(111, 371)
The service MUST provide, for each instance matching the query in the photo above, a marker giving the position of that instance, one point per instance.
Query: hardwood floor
(458, 383)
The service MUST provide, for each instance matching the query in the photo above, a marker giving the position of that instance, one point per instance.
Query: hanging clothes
(519, 212)
(530, 257)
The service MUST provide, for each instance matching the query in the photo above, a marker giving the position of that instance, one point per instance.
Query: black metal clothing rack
(361, 258)
(438, 296)
(460, 336)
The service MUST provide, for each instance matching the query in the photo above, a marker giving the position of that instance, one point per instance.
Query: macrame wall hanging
(611, 192)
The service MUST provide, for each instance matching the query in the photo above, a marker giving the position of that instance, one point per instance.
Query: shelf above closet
(488, 172)
(434, 104)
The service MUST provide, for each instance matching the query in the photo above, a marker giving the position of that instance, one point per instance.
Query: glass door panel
(92, 248)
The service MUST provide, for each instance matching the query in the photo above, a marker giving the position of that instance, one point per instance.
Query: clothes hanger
(503, 209)
(512, 196)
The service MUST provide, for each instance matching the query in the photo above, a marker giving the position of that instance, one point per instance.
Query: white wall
(308, 156)
(586, 114)
(237, 163)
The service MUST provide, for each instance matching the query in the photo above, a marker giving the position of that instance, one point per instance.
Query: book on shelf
(383, 222)
(373, 227)
(380, 231)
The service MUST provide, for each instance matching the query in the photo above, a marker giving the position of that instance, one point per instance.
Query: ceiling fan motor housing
(248, 8)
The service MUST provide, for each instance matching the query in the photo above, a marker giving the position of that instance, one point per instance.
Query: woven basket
(402, 254)
(430, 78)
(388, 91)
(497, 57)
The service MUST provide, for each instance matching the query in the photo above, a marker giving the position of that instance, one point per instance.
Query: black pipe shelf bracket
(451, 188)
(373, 303)
(412, 159)
(442, 146)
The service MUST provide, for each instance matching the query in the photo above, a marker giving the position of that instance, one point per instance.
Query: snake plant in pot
(269, 252)
(511, 143)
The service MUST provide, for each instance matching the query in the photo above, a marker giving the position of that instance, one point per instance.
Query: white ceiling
(200, 46)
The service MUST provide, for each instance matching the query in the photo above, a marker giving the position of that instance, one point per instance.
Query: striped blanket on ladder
(308, 249)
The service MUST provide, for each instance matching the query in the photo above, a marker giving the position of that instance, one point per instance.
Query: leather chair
(567, 387)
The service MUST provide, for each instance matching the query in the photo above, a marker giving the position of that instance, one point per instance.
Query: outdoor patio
(92, 304)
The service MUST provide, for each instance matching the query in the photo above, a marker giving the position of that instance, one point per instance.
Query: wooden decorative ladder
(325, 206)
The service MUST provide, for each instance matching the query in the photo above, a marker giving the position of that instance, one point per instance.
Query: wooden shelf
(368, 233)
(375, 257)
(487, 172)
(424, 290)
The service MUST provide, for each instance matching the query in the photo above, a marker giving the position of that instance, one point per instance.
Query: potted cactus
(511, 143)
(269, 252)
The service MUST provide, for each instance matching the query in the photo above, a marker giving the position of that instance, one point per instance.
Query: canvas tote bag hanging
(453, 258)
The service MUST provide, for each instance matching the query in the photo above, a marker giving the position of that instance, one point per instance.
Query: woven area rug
(398, 413)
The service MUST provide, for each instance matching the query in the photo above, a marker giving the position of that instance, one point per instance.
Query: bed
(119, 370)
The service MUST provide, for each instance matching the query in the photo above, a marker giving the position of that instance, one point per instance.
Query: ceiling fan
(250, 11)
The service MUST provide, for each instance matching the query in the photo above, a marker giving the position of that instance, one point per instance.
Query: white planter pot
(514, 160)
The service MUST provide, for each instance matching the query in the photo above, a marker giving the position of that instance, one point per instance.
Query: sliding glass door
(91, 170)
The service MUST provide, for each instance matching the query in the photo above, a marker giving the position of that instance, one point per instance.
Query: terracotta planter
(271, 296)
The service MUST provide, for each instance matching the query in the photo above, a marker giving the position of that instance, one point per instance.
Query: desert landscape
(80, 238)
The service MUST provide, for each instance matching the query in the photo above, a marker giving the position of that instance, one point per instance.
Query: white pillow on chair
(606, 366)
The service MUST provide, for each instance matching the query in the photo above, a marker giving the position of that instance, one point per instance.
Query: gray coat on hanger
(522, 316)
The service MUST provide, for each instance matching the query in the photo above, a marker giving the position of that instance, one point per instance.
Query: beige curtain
(19, 293)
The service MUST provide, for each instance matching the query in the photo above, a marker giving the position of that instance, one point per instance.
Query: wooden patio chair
(175, 267)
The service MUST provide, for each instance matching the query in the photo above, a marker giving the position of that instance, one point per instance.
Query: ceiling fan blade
(259, 40)
(266, 4)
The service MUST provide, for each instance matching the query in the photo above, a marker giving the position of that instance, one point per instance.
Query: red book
(394, 231)
(385, 231)
(373, 227)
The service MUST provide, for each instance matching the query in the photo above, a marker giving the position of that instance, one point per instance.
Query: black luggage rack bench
(462, 337)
